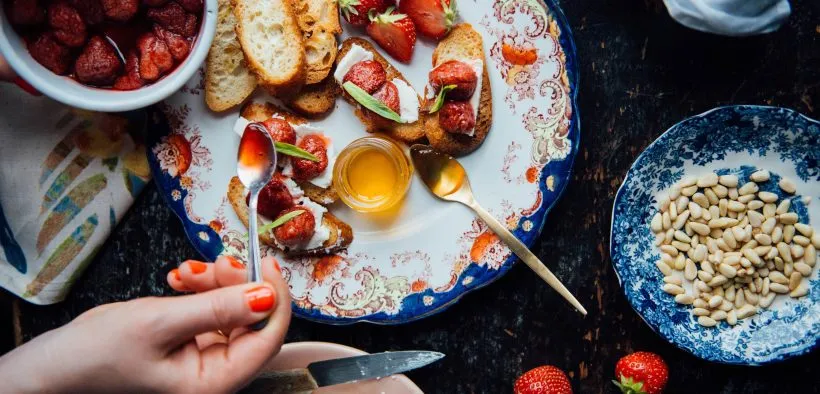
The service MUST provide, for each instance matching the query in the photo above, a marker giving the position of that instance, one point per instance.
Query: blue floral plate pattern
(738, 140)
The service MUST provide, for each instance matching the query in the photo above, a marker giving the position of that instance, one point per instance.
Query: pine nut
(715, 301)
(680, 262)
(767, 196)
(783, 207)
(672, 289)
(778, 288)
(689, 191)
(778, 277)
(708, 180)
(665, 269)
(726, 306)
(801, 240)
(746, 311)
(760, 176)
(751, 297)
(684, 299)
(681, 203)
(802, 268)
(736, 206)
(700, 303)
(800, 290)
(768, 226)
(767, 300)
(700, 199)
(787, 185)
(706, 321)
(670, 250)
(728, 180)
(700, 312)
(755, 218)
(794, 280)
(690, 272)
(769, 210)
(766, 283)
(785, 252)
(788, 218)
(683, 247)
(695, 211)
(704, 276)
(810, 256)
(752, 256)
(731, 318)
(687, 181)
(668, 235)
(718, 280)
(797, 251)
(681, 220)
(711, 196)
(763, 239)
(700, 228)
(788, 269)
(718, 315)
(815, 240)
(720, 191)
(747, 198)
(729, 294)
(754, 205)
(729, 239)
(714, 212)
(804, 229)
(740, 299)
(727, 270)
(706, 266)
(673, 212)
(673, 280)
(764, 250)
(733, 194)
(777, 234)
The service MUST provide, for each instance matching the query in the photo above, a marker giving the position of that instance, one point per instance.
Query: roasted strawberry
(641, 373)
(298, 229)
(130, 80)
(459, 74)
(274, 198)
(433, 18)
(304, 169)
(26, 13)
(155, 3)
(356, 12)
(155, 58)
(394, 32)
(174, 18)
(388, 94)
(120, 10)
(98, 64)
(178, 45)
(545, 379)
(368, 75)
(67, 24)
(280, 130)
(456, 117)
(47, 51)
(91, 10)
(192, 6)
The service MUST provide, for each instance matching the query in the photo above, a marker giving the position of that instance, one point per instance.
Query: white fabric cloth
(66, 177)
(730, 17)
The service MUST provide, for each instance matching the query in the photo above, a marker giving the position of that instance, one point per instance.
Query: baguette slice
(341, 234)
(228, 82)
(259, 112)
(319, 21)
(407, 132)
(463, 42)
(315, 101)
(272, 43)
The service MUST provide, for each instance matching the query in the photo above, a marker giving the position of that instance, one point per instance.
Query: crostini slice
(334, 234)
(228, 82)
(408, 132)
(463, 44)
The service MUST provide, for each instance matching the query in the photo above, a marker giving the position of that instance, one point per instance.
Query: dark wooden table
(640, 74)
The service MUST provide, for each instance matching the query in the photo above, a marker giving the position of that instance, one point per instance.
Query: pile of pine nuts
(736, 246)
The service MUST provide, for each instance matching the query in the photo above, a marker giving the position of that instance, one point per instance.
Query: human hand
(8, 75)
(169, 344)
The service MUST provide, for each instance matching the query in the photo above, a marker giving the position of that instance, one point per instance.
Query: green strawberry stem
(628, 386)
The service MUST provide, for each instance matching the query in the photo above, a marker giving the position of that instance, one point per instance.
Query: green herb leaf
(280, 221)
(293, 150)
(370, 102)
(440, 98)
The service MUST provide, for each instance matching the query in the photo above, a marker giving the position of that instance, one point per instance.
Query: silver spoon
(255, 165)
(446, 178)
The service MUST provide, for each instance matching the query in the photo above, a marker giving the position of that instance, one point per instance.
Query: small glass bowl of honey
(372, 174)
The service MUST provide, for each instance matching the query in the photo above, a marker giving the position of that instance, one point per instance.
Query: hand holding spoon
(446, 178)
(255, 165)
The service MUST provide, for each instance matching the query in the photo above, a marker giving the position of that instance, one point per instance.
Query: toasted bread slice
(315, 101)
(259, 112)
(463, 42)
(341, 234)
(319, 21)
(407, 132)
(228, 82)
(272, 43)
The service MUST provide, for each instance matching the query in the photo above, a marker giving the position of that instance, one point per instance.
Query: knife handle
(294, 381)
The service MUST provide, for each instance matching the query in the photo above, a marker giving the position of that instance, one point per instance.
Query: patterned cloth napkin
(66, 177)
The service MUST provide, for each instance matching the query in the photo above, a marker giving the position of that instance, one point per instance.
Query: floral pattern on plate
(427, 254)
(726, 140)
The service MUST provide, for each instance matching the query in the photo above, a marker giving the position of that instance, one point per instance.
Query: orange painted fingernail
(175, 272)
(197, 267)
(260, 299)
(276, 265)
(235, 263)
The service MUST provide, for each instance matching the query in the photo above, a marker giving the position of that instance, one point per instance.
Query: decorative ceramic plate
(426, 254)
(300, 354)
(727, 140)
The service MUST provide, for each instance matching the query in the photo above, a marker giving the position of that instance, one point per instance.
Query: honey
(372, 174)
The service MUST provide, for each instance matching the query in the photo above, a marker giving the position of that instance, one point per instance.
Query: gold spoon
(446, 178)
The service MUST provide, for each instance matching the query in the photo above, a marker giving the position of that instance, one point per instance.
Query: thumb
(236, 306)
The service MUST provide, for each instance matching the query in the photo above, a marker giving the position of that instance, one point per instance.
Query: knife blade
(342, 370)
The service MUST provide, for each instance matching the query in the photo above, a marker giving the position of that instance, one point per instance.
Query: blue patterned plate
(426, 255)
(727, 140)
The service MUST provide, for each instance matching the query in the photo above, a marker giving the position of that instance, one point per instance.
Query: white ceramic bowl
(75, 94)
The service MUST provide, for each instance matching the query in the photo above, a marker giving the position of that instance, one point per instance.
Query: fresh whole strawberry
(433, 18)
(394, 32)
(356, 12)
(641, 373)
(545, 379)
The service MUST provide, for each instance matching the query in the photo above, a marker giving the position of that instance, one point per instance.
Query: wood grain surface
(640, 74)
